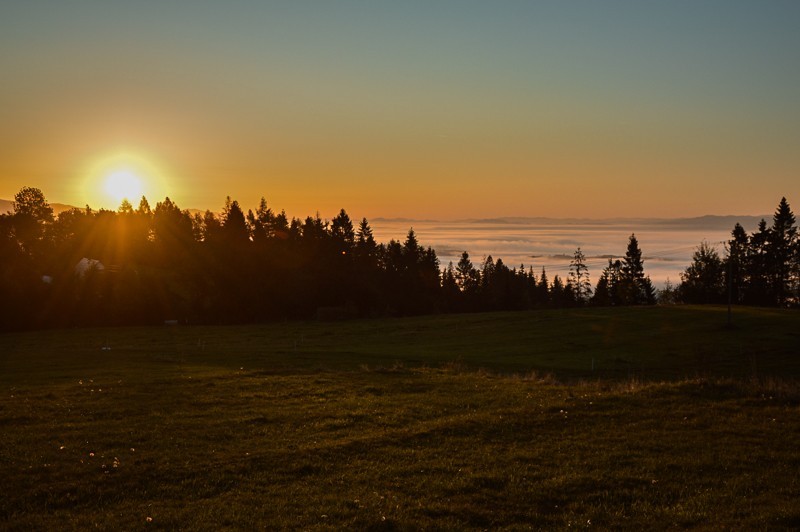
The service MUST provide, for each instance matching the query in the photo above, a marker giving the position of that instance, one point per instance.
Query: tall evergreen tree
(634, 287)
(543, 289)
(411, 248)
(780, 249)
(365, 241)
(451, 295)
(260, 223)
(342, 230)
(464, 271)
(607, 291)
(579, 278)
(234, 225)
(759, 287)
(736, 262)
(558, 295)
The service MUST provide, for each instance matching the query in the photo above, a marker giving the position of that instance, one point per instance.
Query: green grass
(446, 422)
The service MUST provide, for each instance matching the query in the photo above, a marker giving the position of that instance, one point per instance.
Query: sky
(412, 109)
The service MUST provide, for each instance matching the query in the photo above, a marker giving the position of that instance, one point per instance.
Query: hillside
(388, 424)
(645, 342)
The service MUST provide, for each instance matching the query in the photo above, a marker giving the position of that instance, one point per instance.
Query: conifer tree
(759, 288)
(144, 207)
(234, 225)
(557, 295)
(260, 223)
(579, 278)
(780, 249)
(543, 289)
(736, 263)
(364, 239)
(703, 279)
(465, 272)
(634, 288)
(342, 230)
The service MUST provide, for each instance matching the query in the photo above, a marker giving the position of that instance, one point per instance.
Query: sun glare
(123, 184)
(124, 176)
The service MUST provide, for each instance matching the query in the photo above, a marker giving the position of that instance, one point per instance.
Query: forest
(143, 265)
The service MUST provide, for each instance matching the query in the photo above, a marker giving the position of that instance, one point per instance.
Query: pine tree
(780, 249)
(212, 228)
(260, 223)
(607, 291)
(125, 207)
(736, 263)
(703, 279)
(487, 273)
(759, 288)
(144, 207)
(557, 294)
(579, 278)
(543, 289)
(234, 225)
(342, 230)
(364, 239)
(634, 288)
(465, 272)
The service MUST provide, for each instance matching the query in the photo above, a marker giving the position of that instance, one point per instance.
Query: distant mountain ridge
(711, 221)
(7, 206)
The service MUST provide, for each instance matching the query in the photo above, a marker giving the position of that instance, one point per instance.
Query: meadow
(630, 418)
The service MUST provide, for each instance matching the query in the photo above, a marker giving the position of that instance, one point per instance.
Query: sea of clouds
(667, 245)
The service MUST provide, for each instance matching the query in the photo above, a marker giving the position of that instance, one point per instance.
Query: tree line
(149, 265)
(762, 268)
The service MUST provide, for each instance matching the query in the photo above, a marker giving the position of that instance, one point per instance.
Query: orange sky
(452, 111)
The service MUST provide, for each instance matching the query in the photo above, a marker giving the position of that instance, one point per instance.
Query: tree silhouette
(759, 289)
(261, 223)
(781, 252)
(32, 216)
(703, 279)
(234, 225)
(736, 262)
(634, 288)
(579, 278)
(167, 264)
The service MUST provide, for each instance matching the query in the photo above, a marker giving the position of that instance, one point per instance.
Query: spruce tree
(543, 289)
(634, 287)
(342, 230)
(736, 263)
(781, 251)
(759, 287)
(364, 239)
(703, 279)
(579, 278)
(466, 275)
(234, 225)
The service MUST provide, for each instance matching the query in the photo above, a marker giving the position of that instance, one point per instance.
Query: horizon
(536, 242)
(59, 206)
(419, 111)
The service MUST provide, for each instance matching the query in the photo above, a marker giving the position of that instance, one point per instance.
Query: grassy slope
(297, 425)
(649, 343)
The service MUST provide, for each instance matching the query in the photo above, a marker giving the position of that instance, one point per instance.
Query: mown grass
(392, 424)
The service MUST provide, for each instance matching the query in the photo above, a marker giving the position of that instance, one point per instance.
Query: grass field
(482, 421)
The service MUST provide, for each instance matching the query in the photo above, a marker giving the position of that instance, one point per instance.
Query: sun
(123, 185)
(124, 175)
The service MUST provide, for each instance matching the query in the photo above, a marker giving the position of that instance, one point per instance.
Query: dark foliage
(760, 269)
(143, 265)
